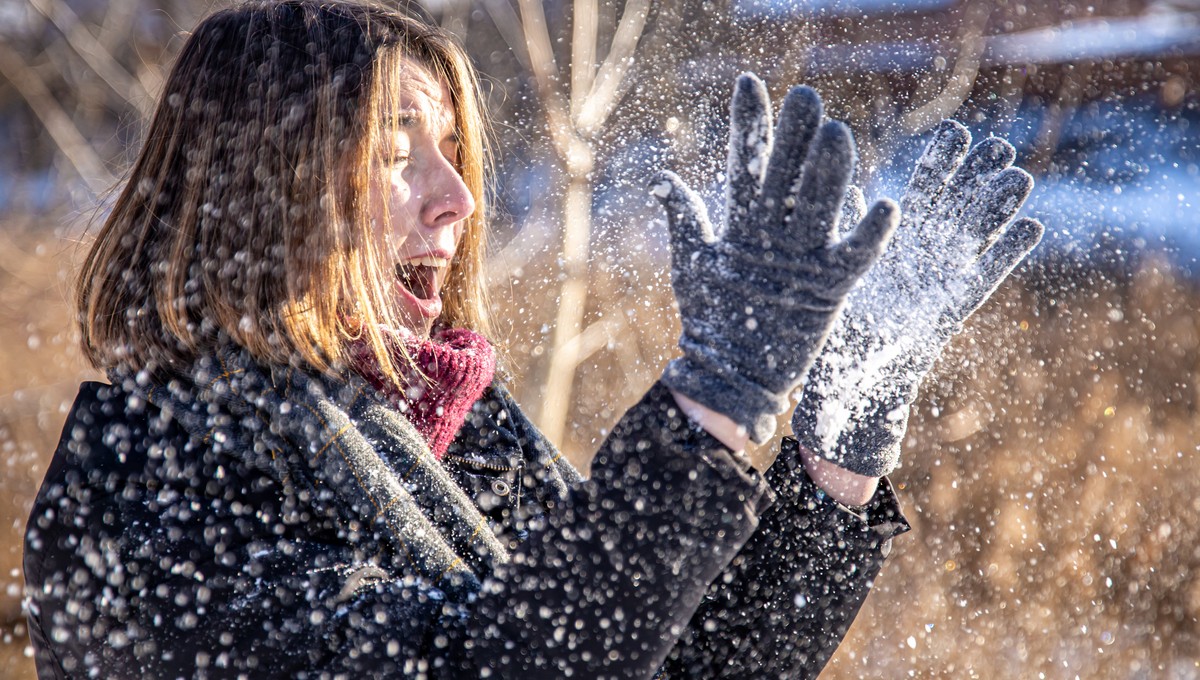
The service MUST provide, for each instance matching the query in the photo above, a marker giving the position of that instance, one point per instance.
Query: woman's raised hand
(757, 297)
(955, 245)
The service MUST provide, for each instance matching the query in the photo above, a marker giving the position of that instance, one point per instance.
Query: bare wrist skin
(842, 485)
(719, 425)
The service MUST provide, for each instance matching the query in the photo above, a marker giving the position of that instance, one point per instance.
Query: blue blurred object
(1122, 179)
(1155, 36)
(778, 9)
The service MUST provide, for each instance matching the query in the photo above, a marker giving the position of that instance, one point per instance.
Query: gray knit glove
(955, 244)
(757, 298)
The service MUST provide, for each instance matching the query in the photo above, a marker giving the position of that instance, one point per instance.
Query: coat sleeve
(610, 575)
(785, 602)
(606, 585)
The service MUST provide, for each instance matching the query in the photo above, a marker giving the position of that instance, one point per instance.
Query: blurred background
(1050, 472)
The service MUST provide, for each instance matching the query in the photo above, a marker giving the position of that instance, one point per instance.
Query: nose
(448, 201)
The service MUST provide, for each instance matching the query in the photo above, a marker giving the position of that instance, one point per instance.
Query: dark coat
(150, 555)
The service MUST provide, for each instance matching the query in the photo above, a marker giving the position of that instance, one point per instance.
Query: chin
(418, 324)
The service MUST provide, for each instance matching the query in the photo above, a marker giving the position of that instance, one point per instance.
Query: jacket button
(885, 548)
(500, 487)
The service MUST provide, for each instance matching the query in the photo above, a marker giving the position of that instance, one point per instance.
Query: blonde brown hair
(244, 216)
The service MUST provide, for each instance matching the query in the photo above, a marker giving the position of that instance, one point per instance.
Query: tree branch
(610, 82)
(56, 121)
(584, 30)
(509, 24)
(546, 75)
(95, 55)
(961, 81)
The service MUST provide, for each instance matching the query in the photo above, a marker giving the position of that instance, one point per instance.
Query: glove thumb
(687, 218)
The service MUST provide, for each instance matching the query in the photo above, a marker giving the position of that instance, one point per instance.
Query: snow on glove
(955, 244)
(757, 299)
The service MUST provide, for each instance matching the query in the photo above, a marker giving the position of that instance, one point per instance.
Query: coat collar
(335, 445)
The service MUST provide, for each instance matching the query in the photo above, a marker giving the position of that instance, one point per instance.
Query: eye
(451, 153)
(396, 156)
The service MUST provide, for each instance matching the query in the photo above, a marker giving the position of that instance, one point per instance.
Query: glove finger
(995, 265)
(798, 121)
(859, 250)
(854, 208)
(687, 218)
(937, 164)
(818, 199)
(993, 206)
(749, 145)
(987, 159)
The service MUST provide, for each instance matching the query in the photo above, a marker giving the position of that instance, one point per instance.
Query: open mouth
(421, 275)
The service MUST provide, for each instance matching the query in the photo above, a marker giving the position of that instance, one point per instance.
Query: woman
(304, 465)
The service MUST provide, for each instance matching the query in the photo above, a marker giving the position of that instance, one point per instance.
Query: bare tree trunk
(594, 94)
(574, 118)
(572, 303)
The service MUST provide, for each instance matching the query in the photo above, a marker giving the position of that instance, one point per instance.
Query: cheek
(399, 191)
(389, 202)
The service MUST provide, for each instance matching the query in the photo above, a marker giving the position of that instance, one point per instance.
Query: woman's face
(418, 202)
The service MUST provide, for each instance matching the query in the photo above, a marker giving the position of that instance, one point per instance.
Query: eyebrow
(411, 118)
(406, 118)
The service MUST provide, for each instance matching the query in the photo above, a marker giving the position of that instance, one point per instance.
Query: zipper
(483, 464)
(515, 488)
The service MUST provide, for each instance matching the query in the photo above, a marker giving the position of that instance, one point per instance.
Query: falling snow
(1048, 464)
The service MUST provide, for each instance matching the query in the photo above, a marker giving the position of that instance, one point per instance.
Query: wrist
(720, 389)
(844, 486)
(720, 426)
(863, 439)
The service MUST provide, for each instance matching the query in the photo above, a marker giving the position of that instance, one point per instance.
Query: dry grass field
(1050, 474)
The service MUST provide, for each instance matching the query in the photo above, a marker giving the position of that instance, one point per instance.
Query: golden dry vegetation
(1049, 475)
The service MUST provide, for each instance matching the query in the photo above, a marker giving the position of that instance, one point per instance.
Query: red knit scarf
(458, 365)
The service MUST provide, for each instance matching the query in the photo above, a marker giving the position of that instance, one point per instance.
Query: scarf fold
(337, 448)
(456, 366)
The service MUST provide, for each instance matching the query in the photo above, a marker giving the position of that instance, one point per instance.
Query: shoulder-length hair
(244, 217)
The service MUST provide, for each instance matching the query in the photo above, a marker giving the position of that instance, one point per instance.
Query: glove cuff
(869, 446)
(725, 392)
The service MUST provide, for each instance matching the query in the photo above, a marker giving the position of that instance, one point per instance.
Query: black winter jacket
(674, 559)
